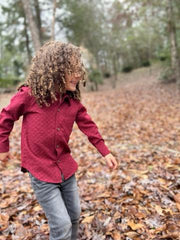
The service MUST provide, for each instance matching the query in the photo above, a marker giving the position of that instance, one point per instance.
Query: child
(50, 104)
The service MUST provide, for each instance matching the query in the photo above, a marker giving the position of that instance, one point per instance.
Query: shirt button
(58, 129)
(58, 160)
(57, 146)
(58, 110)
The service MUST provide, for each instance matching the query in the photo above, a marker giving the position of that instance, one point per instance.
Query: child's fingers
(111, 161)
(115, 163)
(110, 164)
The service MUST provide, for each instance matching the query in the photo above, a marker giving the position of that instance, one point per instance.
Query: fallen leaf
(4, 218)
(116, 235)
(88, 219)
(135, 226)
(177, 198)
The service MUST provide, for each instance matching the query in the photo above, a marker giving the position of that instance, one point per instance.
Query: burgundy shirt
(45, 134)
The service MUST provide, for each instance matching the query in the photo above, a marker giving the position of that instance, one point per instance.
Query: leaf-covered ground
(141, 199)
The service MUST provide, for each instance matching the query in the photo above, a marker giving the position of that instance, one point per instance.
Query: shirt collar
(65, 98)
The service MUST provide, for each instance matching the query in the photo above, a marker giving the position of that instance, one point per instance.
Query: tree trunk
(173, 43)
(53, 21)
(115, 78)
(96, 86)
(1, 46)
(33, 27)
(38, 17)
(27, 40)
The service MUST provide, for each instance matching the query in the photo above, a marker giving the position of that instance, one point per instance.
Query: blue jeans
(61, 204)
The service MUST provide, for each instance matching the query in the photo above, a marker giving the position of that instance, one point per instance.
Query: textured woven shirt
(45, 134)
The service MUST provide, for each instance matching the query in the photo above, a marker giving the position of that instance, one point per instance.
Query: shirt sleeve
(90, 129)
(9, 114)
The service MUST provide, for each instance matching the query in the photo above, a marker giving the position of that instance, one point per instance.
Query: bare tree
(27, 40)
(53, 20)
(32, 25)
(38, 19)
(173, 42)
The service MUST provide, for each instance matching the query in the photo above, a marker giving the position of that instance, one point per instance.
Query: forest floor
(140, 122)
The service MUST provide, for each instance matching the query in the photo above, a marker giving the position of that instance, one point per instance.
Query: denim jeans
(61, 204)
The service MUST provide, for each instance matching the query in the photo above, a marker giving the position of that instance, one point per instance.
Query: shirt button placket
(58, 129)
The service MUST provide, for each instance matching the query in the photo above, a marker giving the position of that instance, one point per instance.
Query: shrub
(162, 58)
(95, 77)
(146, 63)
(107, 75)
(127, 69)
(167, 75)
(8, 82)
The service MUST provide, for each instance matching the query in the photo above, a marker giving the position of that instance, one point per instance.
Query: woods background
(131, 48)
(115, 35)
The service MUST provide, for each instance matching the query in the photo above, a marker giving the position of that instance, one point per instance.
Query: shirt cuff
(102, 148)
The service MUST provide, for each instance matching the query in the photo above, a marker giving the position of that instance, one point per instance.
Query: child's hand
(111, 161)
(4, 158)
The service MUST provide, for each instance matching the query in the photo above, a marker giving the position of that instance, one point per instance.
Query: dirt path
(138, 77)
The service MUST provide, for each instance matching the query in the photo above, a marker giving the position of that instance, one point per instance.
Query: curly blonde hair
(49, 66)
